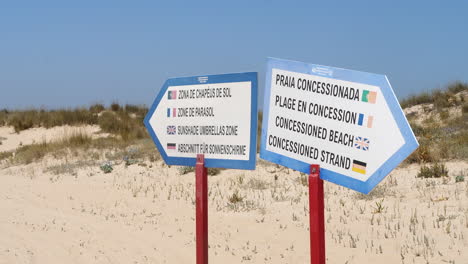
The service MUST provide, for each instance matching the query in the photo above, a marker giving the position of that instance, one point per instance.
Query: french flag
(173, 111)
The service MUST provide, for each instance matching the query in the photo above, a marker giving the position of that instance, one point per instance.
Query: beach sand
(68, 211)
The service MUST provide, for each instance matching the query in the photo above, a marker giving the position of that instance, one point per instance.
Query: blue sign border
(347, 75)
(219, 78)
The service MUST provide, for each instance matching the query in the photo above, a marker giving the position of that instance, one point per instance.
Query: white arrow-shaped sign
(348, 122)
(215, 115)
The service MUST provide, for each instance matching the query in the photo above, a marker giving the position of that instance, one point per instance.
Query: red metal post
(201, 185)
(317, 216)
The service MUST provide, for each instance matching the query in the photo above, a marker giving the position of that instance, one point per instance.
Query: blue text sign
(215, 115)
(348, 122)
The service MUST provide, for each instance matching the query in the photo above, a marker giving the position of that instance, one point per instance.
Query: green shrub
(460, 177)
(106, 167)
(435, 171)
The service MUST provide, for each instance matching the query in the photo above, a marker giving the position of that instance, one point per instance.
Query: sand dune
(144, 213)
(11, 140)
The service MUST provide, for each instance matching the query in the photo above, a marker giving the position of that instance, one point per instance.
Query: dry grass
(440, 98)
(70, 167)
(441, 141)
(76, 143)
(3, 117)
(126, 121)
(96, 108)
(416, 220)
(22, 120)
(30, 153)
(434, 171)
(421, 220)
(465, 108)
(123, 125)
(442, 130)
(188, 169)
(441, 136)
(405, 217)
(5, 155)
(259, 129)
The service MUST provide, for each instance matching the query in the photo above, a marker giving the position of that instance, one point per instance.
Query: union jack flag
(362, 143)
(171, 130)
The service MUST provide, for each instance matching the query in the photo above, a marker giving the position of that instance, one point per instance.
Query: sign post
(201, 190)
(207, 122)
(347, 121)
(317, 216)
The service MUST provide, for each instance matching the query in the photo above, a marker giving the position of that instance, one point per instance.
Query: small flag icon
(369, 97)
(171, 130)
(173, 111)
(362, 143)
(365, 120)
(172, 95)
(171, 146)
(359, 166)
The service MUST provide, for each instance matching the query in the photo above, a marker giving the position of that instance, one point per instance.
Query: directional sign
(215, 115)
(348, 122)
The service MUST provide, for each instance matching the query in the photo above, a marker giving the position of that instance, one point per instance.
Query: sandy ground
(11, 140)
(69, 211)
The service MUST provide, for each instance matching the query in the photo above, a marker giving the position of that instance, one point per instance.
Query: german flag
(359, 166)
(171, 145)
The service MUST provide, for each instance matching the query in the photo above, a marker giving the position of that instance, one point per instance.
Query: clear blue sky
(74, 53)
